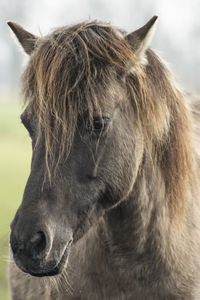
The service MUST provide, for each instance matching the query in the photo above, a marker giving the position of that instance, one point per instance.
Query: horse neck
(143, 222)
(147, 243)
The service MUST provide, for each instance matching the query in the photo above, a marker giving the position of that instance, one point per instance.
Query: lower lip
(52, 273)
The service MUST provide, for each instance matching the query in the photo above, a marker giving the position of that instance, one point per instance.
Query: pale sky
(177, 35)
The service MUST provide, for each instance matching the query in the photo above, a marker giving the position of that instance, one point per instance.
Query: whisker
(6, 258)
(68, 285)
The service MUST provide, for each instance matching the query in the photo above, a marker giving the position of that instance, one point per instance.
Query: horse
(111, 207)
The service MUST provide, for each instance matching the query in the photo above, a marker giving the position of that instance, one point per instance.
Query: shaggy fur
(91, 50)
(146, 241)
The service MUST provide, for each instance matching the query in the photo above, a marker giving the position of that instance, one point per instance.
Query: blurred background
(177, 40)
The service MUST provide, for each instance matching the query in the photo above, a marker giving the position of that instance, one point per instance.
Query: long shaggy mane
(66, 77)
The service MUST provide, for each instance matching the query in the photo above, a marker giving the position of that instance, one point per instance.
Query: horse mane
(70, 64)
(168, 116)
(64, 80)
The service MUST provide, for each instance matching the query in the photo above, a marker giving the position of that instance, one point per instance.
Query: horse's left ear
(141, 38)
(26, 39)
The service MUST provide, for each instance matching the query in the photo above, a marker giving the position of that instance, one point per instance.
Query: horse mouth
(58, 268)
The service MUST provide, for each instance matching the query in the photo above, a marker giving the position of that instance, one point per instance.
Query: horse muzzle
(40, 254)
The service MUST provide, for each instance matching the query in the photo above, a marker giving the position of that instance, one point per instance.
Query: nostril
(38, 244)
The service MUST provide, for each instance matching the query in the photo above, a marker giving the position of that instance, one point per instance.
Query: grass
(15, 155)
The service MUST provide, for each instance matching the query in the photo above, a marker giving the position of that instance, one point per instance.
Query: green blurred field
(15, 154)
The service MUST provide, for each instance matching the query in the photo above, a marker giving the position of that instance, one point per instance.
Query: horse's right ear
(26, 39)
(139, 40)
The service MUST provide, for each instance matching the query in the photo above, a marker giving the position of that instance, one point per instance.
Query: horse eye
(99, 124)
